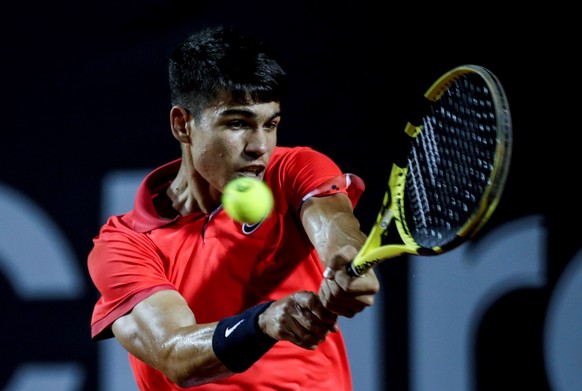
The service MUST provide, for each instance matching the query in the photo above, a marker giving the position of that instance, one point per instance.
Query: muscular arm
(330, 224)
(335, 233)
(162, 332)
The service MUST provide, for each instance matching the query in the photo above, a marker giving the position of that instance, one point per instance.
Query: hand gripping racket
(448, 178)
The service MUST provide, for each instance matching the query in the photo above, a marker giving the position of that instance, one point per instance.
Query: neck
(190, 193)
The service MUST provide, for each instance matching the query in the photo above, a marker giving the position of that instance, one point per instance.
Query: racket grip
(329, 273)
(351, 270)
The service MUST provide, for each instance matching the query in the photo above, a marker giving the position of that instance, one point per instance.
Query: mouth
(253, 171)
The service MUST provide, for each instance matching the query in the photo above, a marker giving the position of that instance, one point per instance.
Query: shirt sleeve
(350, 184)
(125, 269)
(309, 173)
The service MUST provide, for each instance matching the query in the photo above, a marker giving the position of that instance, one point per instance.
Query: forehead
(249, 109)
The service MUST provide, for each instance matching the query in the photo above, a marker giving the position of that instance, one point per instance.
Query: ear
(180, 123)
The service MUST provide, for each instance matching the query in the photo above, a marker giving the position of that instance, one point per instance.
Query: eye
(237, 124)
(271, 126)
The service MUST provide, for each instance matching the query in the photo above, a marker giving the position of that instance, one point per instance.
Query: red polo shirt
(222, 267)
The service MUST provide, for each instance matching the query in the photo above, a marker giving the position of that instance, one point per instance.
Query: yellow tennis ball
(247, 200)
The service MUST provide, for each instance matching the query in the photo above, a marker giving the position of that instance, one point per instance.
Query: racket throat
(386, 219)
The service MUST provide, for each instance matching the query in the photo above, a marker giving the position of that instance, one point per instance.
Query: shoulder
(119, 230)
(293, 166)
(300, 157)
(297, 151)
(294, 172)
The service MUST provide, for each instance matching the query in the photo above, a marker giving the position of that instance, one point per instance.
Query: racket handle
(351, 270)
(329, 272)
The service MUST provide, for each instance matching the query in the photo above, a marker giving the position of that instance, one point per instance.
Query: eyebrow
(246, 113)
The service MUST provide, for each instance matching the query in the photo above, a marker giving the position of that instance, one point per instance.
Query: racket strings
(451, 162)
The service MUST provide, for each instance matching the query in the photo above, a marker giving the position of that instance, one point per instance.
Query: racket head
(458, 163)
(448, 180)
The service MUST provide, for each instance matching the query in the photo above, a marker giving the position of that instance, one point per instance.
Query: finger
(314, 310)
(285, 325)
(335, 299)
(338, 260)
(298, 338)
(318, 309)
(330, 297)
(364, 285)
(309, 328)
(304, 328)
(328, 272)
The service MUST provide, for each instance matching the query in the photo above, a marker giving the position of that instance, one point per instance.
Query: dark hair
(220, 60)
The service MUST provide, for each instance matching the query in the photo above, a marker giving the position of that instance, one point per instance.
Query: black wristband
(238, 342)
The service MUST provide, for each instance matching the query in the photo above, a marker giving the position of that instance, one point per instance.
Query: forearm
(331, 225)
(185, 355)
(230, 346)
(188, 359)
(335, 233)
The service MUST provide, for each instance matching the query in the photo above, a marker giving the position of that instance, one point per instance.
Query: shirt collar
(146, 217)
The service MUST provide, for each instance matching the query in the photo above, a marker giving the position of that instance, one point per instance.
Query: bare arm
(335, 233)
(162, 331)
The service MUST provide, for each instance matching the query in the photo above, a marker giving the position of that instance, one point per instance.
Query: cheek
(273, 141)
(218, 150)
(210, 159)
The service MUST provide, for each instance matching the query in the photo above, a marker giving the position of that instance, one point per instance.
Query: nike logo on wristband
(229, 330)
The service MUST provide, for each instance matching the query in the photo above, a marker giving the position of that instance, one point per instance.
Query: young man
(199, 300)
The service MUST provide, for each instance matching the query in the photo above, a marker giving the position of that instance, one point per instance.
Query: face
(233, 140)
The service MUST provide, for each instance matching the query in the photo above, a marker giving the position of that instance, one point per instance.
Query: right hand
(300, 319)
(345, 295)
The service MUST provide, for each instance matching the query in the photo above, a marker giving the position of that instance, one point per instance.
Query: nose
(257, 143)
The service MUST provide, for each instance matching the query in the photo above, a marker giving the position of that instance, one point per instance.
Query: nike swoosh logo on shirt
(229, 330)
(250, 228)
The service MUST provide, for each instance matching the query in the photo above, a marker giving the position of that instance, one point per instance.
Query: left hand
(298, 318)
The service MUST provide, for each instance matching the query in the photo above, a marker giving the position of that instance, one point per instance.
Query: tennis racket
(449, 173)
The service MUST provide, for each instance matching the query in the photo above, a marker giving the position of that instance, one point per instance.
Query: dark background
(84, 93)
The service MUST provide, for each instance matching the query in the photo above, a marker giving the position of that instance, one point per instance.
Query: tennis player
(200, 301)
